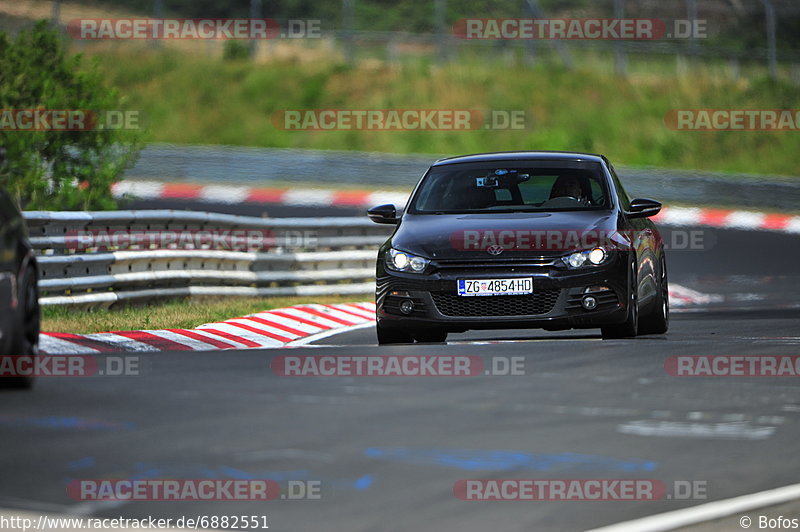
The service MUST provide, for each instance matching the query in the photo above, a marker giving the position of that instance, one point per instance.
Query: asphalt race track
(388, 450)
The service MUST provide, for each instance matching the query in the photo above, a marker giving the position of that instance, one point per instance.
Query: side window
(624, 200)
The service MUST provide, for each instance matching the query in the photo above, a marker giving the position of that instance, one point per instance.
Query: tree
(52, 167)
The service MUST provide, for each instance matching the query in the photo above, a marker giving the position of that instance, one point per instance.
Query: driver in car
(568, 186)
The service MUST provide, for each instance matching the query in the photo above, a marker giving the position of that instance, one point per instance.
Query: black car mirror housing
(384, 214)
(643, 208)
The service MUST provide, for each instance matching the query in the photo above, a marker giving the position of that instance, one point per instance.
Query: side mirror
(383, 214)
(643, 208)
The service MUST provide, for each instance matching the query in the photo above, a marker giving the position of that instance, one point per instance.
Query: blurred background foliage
(58, 169)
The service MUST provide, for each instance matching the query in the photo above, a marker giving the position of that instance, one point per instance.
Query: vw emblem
(495, 250)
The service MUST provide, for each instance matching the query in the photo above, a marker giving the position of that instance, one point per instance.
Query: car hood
(469, 236)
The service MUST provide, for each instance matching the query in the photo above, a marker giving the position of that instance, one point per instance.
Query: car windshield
(506, 186)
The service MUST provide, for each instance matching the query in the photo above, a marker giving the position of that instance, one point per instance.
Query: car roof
(521, 155)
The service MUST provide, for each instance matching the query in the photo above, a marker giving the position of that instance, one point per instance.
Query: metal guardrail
(80, 265)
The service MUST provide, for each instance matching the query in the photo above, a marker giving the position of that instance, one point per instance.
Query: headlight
(576, 260)
(597, 256)
(594, 257)
(400, 261)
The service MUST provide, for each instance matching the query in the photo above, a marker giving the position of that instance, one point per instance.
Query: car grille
(540, 302)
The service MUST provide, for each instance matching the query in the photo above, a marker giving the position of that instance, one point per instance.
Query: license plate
(495, 287)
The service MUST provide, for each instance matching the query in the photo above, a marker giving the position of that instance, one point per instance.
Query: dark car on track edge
(518, 240)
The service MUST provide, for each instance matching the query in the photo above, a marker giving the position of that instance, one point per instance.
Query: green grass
(194, 99)
(175, 314)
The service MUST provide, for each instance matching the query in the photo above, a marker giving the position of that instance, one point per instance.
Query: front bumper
(555, 303)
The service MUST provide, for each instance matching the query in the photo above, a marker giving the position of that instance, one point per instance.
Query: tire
(430, 336)
(393, 336)
(657, 320)
(630, 327)
(26, 341)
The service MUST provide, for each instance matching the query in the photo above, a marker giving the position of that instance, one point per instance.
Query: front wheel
(657, 321)
(630, 327)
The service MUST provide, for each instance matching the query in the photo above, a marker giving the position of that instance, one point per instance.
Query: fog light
(406, 306)
(589, 302)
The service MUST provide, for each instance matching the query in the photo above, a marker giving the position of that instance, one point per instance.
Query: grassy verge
(194, 99)
(176, 314)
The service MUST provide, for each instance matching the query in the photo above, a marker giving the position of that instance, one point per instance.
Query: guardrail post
(771, 47)
(348, 22)
(440, 12)
(56, 14)
(158, 12)
(691, 14)
(256, 12)
(619, 55)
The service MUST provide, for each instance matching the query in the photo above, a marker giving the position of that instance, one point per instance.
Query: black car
(19, 299)
(518, 240)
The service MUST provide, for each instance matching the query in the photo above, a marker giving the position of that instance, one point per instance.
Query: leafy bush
(236, 50)
(53, 168)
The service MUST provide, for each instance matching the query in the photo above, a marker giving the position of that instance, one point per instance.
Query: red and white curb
(728, 219)
(680, 296)
(274, 328)
(300, 197)
(285, 327)
(673, 216)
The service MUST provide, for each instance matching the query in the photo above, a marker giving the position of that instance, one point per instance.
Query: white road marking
(682, 429)
(706, 512)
